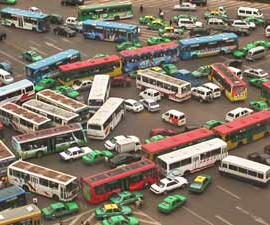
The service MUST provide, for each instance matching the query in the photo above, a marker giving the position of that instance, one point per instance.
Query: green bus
(107, 11)
(9, 2)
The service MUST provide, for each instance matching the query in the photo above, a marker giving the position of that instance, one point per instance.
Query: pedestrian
(159, 11)
(35, 201)
(141, 8)
(61, 222)
(82, 223)
(161, 15)
(180, 2)
(170, 22)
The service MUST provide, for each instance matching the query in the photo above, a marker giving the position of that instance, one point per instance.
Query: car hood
(46, 212)
(156, 188)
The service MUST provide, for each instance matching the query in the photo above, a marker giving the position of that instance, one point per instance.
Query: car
(237, 113)
(243, 24)
(241, 52)
(126, 44)
(74, 24)
(64, 31)
(202, 94)
(258, 21)
(171, 33)
(100, 55)
(72, 2)
(256, 73)
(109, 210)
(263, 43)
(133, 105)
(213, 123)
(67, 91)
(150, 104)
(171, 203)
(168, 184)
(215, 14)
(237, 30)
(82, 85)
(176, 18)
(31, 56)
(121, 220)
(157, 40)
(259, 105)
(162, 131)
(156, 24)
(199, 31)
(97, 156)
(266, 149)
(35, 9)
(3, 35)
(185, 6)
(124, 158)
(45, 84)
(170, 69)
(200, 183)
(150, 93)
(157, 69)
(236, 63)
(111, 143)
(59, 209)
(74, 153)
(154, 139)
(260, 158)
(6, 66)
(127, 197)
(121, 81)
(56, 19)
(186, 23)
(258, 82)
(146, 19)
(202, 71)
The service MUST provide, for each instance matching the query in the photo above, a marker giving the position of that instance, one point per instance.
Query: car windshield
(196, 184)
(78, 82)
(153, 104)
(136, 104)
(8, 77)
(34, 54)
(113, 140)
(160, 184)
(68, 152)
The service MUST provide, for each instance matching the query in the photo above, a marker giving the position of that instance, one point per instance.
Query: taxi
(109, 210)
(200, 183)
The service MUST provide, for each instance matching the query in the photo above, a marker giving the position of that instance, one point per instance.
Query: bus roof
(242, 123)
(149, 49)
(113, 25)
(176, 140)
(10, 192)
(47, 133)
(206, 39)
(99, 86)
(54, 58)
(104, 5)
(5, 152)
(25, 113)
(23, 12)
(265, 84)
(88, 63)
(15, 86)
(118, 173)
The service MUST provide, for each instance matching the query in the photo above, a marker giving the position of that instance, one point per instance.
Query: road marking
(223, 220)
(90, 217)
(13, 58)
(255, 218)
(66, 40)
(198, 216)
(34, 43)
(37, 50)
(139, 212)
(51, 39)
(149, 222)
(53, 46)
(228, 192)
(76, 218)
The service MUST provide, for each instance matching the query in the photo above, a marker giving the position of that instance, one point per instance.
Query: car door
(171, 185)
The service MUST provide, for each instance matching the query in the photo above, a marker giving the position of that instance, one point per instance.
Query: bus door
(51, 146)
(196, 162)
(130, 37)
(106, 34)
(20, 21)
(34, 184)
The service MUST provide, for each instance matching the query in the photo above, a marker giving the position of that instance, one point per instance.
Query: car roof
(131, 100)
(174, 111)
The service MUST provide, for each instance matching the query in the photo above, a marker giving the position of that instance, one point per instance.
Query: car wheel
(183, 186)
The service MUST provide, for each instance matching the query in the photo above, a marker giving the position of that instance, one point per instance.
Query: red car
(162, 131)
(121, 81)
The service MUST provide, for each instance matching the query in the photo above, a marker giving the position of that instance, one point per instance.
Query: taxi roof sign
(200, 179)
(110, 206)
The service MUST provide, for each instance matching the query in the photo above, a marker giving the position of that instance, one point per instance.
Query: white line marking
(149, 222)
(34, 43)
(228, 192)
(197, 215)
(90, 217)
(51, 39)
(12, 58)
(254, 217)
(66, 40)
(139, 212)
(223, 220)
(53, 46)
(79, 216)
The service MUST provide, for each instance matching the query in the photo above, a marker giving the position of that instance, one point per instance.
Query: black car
(56, 19)
(199, 31)
(64, 31)
(234, 63)
(237, 30)
(72, 2)
(3, 35)
(123, 158)
(260, 158)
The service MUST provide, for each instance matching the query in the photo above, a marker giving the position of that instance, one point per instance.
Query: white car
(74, 153)
(74, 23)
(185, 6)
(244, 24)
(133, 105)
(267, 31)
(255, 73)
(35, 9)
(237, 113)
(82, 85)
(188, 23)
(150, 93)
(111, 143)
(168, 184)
(150, 104)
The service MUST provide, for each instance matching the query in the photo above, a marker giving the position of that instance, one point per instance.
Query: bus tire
(186, 173)
(39, 154)
(12, 25)
(55, 198)
(221, 173)
(217, 163)
(25, 188)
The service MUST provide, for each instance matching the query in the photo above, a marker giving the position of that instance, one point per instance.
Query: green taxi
(156, 24)
(256, 20)
(59, 209)
(241, 52)
(171, 32)
(202, 71)
(258, 82)
(200, 183)
(259, 106)
(97, 156)
(215, 14)
(157, 40)
(262, 43)
(109, 210)
(67, 91)
(154, 139)
(100, 55)
(127, 44)
(157, 69)
(126, 197)
(170, 69)
(44, 84)
(176, 18)
(147, 19)
(31, 56)
(171, 203)
(213, 123)
(121, 220)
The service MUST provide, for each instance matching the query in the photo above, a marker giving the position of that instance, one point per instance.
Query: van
(248, 11)
(267, 31)
(236, 72)
(256, 53)
(174, 117)
(216, 23)
(237, 113)
(150, 93)
(5, 77)
(214, 88)
(131, 144)
(82, 85)
(203, 94)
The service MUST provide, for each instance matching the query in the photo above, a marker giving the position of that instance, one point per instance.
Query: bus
(149, 56)
(106, 11)
(57, 115)
(99, 92)
(12, 197)
(24, 215)
(17, 92)
(234, 88)
(265, 92)
(198, 47)
(155, 149)
(85, 70)
(193, 158)
(110, 31)
(132, 177)
(244, 130)
(245, 169)
(6, 158)
(25, 19)
(48, 141)
(106, 118)
(21, 119)
(53, 98)
(174, 89)
(48, 67)
(44, 181)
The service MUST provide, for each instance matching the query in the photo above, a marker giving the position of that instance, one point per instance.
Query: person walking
(161, 14)
(141, 8)
(170, 22)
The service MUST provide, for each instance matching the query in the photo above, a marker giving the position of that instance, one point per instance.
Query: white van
(256, 53)
(131, 144)
(214, 88)
(237, 113)
(267, 31)
(236, 72)
(203, 94)
(150, 93)
(248, 11)
(5, 77)
(174, 117)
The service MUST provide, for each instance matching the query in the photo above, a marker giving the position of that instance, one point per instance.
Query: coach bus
(44, 181)
(265, 92)
(234, 88)
(110, 31)
(132, 177)
(106, 11)
(244, 130)
(155, 149)
(48, 67)
(25, 19)
(48, 141)
(6, 157)
(207, 45)
(149, 56)
(85, 70)
(21, 119)
(174, 89)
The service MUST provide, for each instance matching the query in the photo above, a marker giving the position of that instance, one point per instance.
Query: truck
(131, 144)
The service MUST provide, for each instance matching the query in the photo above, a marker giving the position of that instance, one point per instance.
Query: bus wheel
(39, 154)
(217, 163)
(55, 198)
(25, 188)
(186, 173)
(183, 186)
(13, 25)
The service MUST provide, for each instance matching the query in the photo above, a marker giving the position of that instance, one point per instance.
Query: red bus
(149, 56)
(155, 149)
(265, 92)
(244, 130)
(85, 70)
(135, 176)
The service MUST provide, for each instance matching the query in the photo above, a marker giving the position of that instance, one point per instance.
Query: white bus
(19, 91)
(21, 119)
(245, 169)
(99, 92)
(61, 101)
(6, 158)
(43, 181)
(193, 158)
(175, 89)
(57, 115)
(106, 118)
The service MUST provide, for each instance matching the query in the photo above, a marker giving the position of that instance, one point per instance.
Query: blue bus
(198, 47)
(110, 31)
(25, 19)
(48, 67)
(12, 197)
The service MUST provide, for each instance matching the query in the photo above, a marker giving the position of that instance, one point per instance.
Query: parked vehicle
(6, 66)
(199, 31)
(123, 158)
(259, 106)
(186, 23)
(120, 220)
(96, 156)
(162, 131)
(214, 88)
(171, 203)
(131, 144)
(67, 91)
(150, 104)
(202, 71)
(236, 63)
(133, 105)
(237, 113)
(56, 19)
(185, 6)
(127, 44)
(213, 123)
(267, 31)
(109, 210)
(150, 94)
(256, 53)
(171, 33)
(263, 43)
(147, 19)
(170, 69)
(157, 40)
(174, 117)
(45, 84)
(35, 9)
(74, 153)
(121, 81)
(256, 20)
(200, 183)
(258, 82)
(6, 77)
(31, 56)
(199, 2)
(82, 85)
(3, 35)
(260, 158)
(127, 197)
(64, 31)
(111, 143)
(243, 12)
(156, 24)
(154, 139)
(203, 94)
(74, 24)
(236, 72)
(72, 2)
(256, 73)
